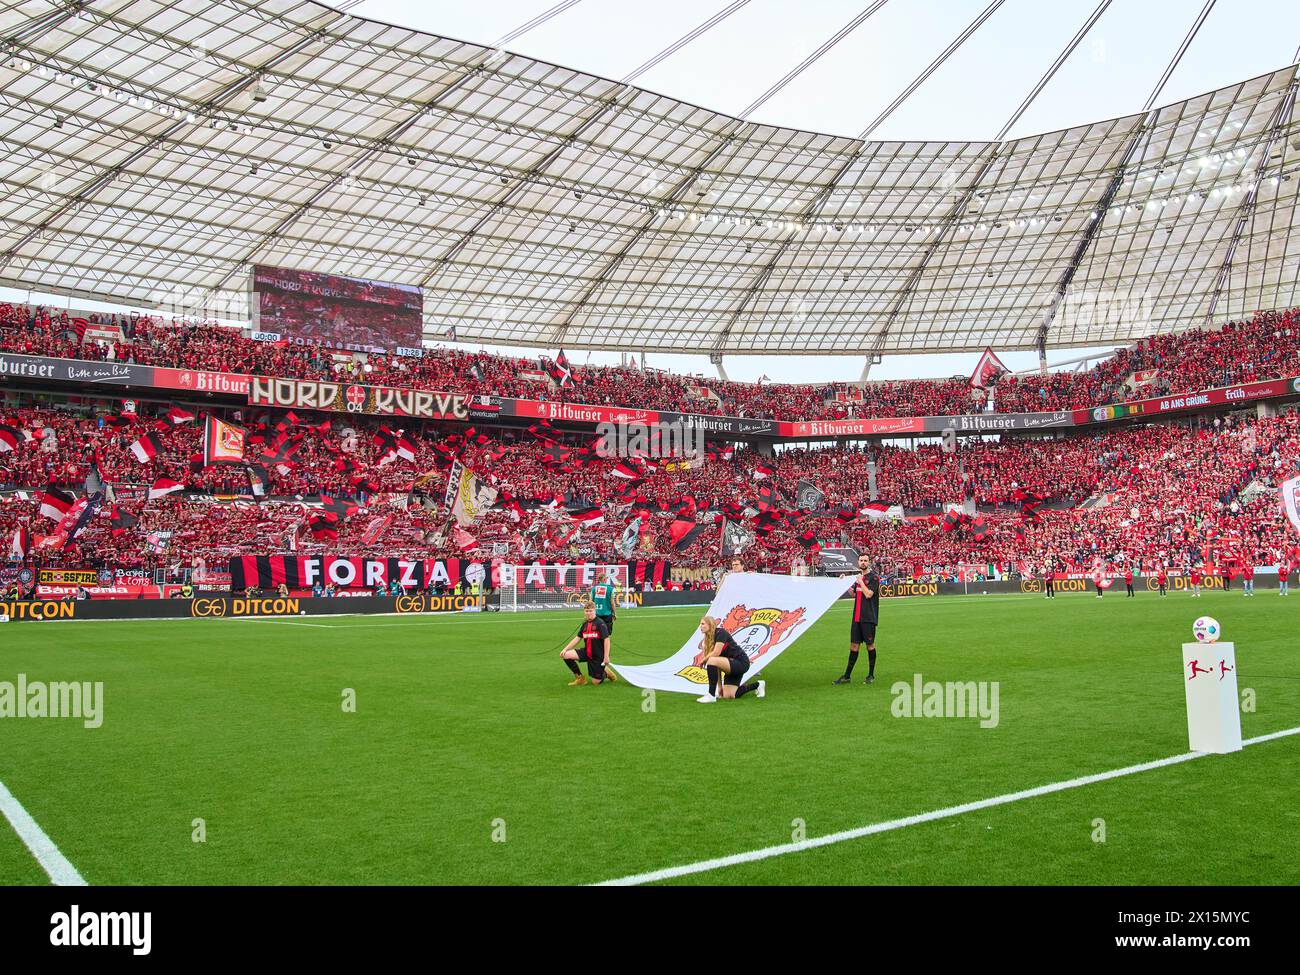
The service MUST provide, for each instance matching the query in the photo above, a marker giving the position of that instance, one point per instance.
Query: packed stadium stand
(1265, 346)
(1173, 494)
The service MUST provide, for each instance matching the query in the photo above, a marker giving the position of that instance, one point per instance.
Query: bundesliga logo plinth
(1210, 682)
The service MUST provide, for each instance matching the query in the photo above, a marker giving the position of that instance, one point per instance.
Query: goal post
(539, 586)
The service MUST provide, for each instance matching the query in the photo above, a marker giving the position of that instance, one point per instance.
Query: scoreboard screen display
(335, 311)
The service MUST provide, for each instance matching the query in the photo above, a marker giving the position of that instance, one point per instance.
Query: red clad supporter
(1267, 346)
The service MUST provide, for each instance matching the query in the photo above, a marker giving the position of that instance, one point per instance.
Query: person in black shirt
(590, 645)
(721, 654)
(866, 614)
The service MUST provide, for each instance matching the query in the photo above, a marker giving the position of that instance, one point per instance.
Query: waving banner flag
(765, 613)
(734, 538)
(467, 498)
(146, 448)
(223, 443)
(987, 370)
(1291, 501)
(810, 497)
(55, 503)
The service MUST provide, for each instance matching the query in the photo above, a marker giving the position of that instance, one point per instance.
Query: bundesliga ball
(1206, 630)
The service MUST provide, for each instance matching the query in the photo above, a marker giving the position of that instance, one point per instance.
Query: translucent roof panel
(154, 150)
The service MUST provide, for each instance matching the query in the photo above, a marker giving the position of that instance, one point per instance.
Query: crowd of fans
(1136, 496)
(1266, 346)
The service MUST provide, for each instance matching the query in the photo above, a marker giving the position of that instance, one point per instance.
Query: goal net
(539, 586)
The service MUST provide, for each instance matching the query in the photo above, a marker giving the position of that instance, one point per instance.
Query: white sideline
(413, 617)
(852, 834)
(52, 861)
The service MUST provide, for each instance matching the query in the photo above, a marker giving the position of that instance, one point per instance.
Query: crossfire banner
(765, 613)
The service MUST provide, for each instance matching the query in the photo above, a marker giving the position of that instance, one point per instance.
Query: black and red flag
(625, 471)
(543, 431)
(162, 487)
(342, 507)
(10, 437)
(560, 370)
(324, 526)
(556, 454)
(282, 451)
(146, 448)
(55, 503)
(472, 436)
(686, 533)
(808, 539)
(121, 521)
(590, 515)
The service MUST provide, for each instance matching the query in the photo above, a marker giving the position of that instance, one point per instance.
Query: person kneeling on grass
(590, 645)
(723, 655)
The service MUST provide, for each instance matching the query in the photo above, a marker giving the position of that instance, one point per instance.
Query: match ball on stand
(1206, 630)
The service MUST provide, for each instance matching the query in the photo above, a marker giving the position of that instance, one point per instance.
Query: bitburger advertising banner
(201, 381)
(14, 366)
(875, 427)
(998, 422)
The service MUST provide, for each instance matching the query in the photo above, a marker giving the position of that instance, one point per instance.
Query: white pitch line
(253, 619)
(52, 861)
(734, 859)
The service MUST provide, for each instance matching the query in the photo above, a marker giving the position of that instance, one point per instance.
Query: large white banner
(1291, 501)
(765, 613)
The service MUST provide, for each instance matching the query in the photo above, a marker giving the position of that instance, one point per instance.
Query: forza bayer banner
(765, 613)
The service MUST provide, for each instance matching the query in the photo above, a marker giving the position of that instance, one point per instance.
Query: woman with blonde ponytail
(720, 654)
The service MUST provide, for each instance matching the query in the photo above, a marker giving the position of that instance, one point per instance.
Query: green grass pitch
(464, 728)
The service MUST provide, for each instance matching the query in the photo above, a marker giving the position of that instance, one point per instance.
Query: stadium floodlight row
(540, 206)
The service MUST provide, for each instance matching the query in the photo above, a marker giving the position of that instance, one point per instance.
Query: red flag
(987, 370)
(163, 487)
(55, 503)
(21, 544)
(146, 448)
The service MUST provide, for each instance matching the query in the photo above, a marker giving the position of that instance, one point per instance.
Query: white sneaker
(761, 689)
(705, 699)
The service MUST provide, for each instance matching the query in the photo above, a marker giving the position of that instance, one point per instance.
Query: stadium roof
(155, 149)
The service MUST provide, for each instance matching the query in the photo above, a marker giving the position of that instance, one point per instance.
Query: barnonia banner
(765, 613)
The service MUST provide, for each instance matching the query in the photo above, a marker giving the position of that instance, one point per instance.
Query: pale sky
(1110, 74)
